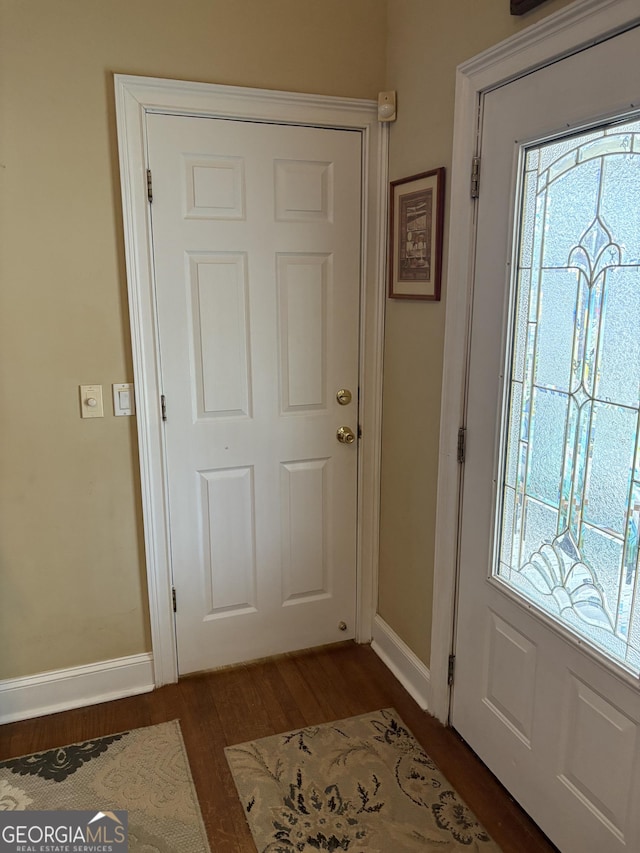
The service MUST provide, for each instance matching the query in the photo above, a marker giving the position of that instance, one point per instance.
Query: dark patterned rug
(144, 771)
(362, 784)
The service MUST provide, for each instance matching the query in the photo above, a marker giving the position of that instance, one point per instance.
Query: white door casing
(578, 25)
(137, 97)
(256, 241)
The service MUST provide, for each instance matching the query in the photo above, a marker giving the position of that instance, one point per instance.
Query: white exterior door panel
(256, 236)
(557, 723)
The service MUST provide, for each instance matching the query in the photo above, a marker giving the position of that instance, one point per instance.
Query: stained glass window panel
(569, 503)
(618, 374)
(556, 313)
(546, 445)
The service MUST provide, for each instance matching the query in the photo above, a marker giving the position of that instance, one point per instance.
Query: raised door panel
(221, 334)
(599, 755)
(306, 544)
(214, 187)
(303, 284)
(229, 542)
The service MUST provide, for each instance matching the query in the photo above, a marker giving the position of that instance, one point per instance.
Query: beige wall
(426, 41)
(72, 587)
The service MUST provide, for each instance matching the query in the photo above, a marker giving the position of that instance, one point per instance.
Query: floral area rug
(144, 771)
(362, 784)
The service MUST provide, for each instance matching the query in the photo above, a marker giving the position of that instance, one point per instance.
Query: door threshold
(298, 653)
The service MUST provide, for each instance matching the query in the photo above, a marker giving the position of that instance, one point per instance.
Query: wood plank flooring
(230, 706)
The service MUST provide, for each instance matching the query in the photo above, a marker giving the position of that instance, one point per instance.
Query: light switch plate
(91, 405)
(123, 399)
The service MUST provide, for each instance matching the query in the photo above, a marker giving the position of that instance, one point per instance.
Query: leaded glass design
(570, 490)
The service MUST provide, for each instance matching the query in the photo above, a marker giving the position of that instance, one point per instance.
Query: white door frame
(573, 28)
(136, 96)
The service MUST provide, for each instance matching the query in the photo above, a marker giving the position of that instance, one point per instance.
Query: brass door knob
(345, 435)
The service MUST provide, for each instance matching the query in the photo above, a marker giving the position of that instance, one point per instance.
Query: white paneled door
(257, 247)
(547, 687)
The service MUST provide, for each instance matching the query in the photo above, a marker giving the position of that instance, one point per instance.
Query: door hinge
(450, 671)
(475, 177)
(173, 599)
(163, 406)
(462, 434)
(149, 186)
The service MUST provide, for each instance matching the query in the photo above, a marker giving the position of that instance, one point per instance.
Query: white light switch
(91, 401)
(123, 400)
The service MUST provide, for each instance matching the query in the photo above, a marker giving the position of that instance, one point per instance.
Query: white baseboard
(62, 689)
(407, 667)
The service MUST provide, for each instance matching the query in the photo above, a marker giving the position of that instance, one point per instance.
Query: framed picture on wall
(415, 236)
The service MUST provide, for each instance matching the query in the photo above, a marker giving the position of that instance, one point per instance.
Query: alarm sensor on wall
(386, 106)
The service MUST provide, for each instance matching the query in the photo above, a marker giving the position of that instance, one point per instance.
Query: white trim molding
(573, 28)
(135, 98)
(75, 687)
(407, 667)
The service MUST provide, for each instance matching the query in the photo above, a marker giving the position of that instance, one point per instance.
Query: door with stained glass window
(547, 684)
(570, 485)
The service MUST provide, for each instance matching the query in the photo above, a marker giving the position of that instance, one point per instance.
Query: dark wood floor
(234, 705)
